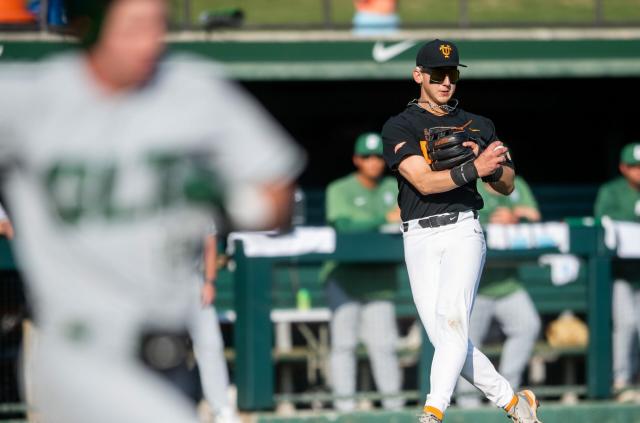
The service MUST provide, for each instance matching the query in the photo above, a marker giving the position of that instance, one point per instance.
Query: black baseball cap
(438, 54)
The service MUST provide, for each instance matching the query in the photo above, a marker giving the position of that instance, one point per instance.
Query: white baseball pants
(208, 347)
(520, 322)
(100, 379)
(444, 265)
(349, 319)
(87, 365)
(626, 328)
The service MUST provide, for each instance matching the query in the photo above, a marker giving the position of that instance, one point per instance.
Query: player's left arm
(208, 292)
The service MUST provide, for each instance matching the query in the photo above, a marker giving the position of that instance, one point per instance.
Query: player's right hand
(503, 216)
(393, 216)
(491, 158)
(207, 294)
(6, 229)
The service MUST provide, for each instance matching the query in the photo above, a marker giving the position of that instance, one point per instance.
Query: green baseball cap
(367, 144)
(630, 154)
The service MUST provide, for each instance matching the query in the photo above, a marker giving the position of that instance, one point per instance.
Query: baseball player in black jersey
(438, 151)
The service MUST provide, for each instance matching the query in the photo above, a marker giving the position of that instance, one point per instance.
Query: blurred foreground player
(114, 162)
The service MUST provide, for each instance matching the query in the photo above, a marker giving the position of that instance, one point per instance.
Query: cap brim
(445, 65)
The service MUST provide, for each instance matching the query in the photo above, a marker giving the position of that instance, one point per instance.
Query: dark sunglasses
(438, 75)
(366, 156)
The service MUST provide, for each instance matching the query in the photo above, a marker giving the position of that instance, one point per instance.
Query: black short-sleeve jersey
(401, 137)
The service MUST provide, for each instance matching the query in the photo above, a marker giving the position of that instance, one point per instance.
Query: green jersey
(500, 282)
(352, 207)
(620, 201)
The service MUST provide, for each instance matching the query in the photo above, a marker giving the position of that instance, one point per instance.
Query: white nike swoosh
(1, 50)
(383, 54)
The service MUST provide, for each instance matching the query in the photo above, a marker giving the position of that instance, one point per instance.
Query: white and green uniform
(361, 296)
(108, 193)
(619, 200)
(208, 346)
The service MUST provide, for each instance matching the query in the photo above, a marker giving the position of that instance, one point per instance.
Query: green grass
(439, 11)
(531, 10)
(622, 10)
(311, 12)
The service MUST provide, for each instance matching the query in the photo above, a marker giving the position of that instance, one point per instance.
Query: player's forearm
(505, 185)
(415, 170)
(436, 182)
(210, 258)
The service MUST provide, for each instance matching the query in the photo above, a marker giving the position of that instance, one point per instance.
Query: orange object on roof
(14, 12)
(383, 7)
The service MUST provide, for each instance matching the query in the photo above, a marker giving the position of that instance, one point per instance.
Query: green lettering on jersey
(82, 190)
(186, 177)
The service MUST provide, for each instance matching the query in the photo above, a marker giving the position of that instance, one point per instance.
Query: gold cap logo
(445, 49)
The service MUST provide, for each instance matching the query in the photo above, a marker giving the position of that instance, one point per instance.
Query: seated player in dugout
(502, 296)
(438, 151)
(360, 296)
(619, 199)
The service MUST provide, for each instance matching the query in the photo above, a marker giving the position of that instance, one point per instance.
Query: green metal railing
(254, 330)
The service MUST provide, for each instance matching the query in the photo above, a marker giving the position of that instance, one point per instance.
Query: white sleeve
(15, 82)
(255, 148)
(246, 147)
(212, 229)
